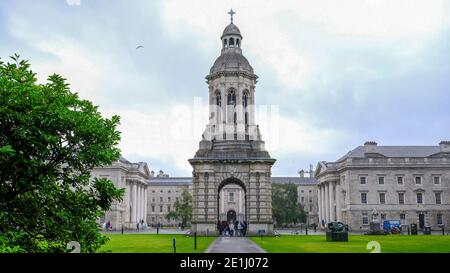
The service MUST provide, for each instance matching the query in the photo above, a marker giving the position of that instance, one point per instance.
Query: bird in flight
(139, 47)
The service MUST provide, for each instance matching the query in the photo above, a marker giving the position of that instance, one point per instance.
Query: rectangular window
(168, 199)
(160, 208)
(176, 199)
(400, 180)
(153, 208)
(418, 180)
(437, 180)
(161, 199)
(401, 198)
(402, 218)
(438, 198)
(310, 208)
(153, 199)
(382, 198)
(383, 217)
(365, 219)
(168, 208)
(381, 180)
(231, 197)
(302, 199)
(310, 200)
(363, 180)
(419, 198)
(363, 198)
(439, 219)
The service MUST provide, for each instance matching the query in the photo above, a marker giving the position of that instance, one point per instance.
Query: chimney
(301, 173)
(445, 146)
(311, 170)
(152, 174)
(370, 147)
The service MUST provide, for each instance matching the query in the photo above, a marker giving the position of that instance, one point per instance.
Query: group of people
(107, 226)
(141, 225)
(231, 228)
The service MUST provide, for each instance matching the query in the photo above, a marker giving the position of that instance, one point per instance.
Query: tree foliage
(285, 207)
(50, 140)
(183, 209)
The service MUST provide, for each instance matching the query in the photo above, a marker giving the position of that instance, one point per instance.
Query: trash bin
(413, 229)
(427, 230)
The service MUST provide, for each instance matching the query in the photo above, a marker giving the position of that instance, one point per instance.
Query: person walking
(231, 227)
(240, 229)
(137, 227)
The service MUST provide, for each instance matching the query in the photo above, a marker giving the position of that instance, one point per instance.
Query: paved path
(234, 245)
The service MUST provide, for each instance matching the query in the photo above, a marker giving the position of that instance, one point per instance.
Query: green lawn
(152, 243)
(356, 244)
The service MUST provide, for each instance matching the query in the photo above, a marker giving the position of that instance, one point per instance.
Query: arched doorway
(231, 216)
(232, 201)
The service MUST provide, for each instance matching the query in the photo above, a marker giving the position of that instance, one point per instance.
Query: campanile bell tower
(232, 150)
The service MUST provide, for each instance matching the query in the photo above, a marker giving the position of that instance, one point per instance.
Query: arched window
(231, 41)
(225, 42)
(232, 97)
(245, 99)
(218, 98)
(237, 42)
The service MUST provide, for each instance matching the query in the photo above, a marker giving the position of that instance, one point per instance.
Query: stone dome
(231, 29)
(231, 61)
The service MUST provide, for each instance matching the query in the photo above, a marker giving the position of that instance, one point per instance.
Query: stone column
(338, 202)
(327, 202)
(140, 202)
(319, 200)
(332, 211)
(134, 203)
(322, 200)
(145, 203)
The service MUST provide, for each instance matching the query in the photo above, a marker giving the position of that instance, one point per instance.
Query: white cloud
(73, 2)
(270, 41)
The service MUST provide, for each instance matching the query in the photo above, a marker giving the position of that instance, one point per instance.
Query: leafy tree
(183, 209)
(50, 140)
(285, 207)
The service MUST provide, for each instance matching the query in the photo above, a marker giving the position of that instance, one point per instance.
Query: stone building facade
(406, 183)
(133, 178)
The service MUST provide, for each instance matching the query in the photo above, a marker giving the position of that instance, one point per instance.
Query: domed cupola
(231, 58)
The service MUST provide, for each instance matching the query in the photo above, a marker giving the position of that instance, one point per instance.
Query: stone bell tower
(232, 150)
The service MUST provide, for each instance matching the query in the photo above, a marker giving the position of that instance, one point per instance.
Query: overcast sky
(338, 73)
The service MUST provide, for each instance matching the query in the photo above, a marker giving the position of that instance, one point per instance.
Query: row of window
(161, 199)
(401, 198)
(302, 199)
(162, 191)
(161, 208)
(401, 179)
(365, 218)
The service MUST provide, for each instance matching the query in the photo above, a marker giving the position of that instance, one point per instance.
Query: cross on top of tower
(231, 13)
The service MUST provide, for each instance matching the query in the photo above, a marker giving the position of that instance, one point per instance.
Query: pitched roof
(395, 151)
(178, 181)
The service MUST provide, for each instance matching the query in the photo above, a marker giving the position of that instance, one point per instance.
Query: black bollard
(408, 231)
(122, 229)
(314, 228)
(195, 240)
(157, 230)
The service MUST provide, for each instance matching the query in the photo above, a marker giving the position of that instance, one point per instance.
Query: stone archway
(224, 183)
